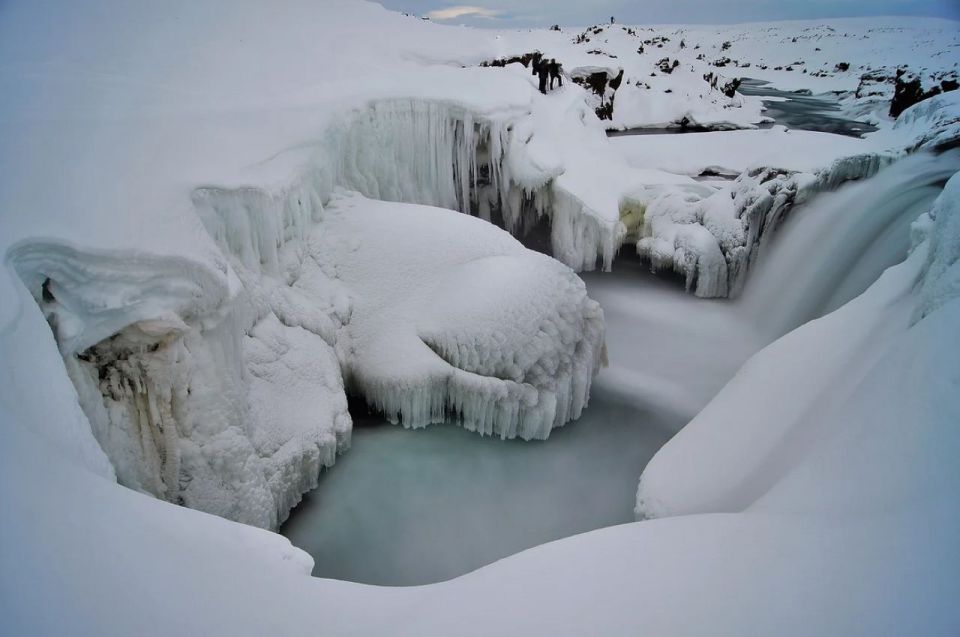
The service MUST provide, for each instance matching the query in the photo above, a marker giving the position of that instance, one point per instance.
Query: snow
(170, 209)
(737, 151)
(811, 391)
(452, 317)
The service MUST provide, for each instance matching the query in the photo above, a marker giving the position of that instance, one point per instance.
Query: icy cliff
(711, 236)
(218, 396)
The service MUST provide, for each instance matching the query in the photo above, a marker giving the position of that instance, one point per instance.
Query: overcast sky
(524, 13)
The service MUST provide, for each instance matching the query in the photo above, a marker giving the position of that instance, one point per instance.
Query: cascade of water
(834, 248)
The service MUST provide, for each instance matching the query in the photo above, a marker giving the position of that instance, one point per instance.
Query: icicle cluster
(712, 237)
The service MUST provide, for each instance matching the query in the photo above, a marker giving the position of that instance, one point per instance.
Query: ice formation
(712, 236)
(222, 397)
(222, 390)
(453, 319)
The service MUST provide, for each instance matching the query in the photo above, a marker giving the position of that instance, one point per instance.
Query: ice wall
(443, 154)
(712, 237)
(219, 390)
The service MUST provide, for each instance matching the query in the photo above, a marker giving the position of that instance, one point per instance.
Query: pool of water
(405, 507)
(412, 507)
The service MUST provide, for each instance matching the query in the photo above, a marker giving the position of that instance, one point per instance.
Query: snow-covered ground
(184, 283)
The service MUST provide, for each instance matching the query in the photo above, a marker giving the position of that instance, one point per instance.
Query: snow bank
(453, 319)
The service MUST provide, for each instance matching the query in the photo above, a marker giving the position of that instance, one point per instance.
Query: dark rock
(730, 88)
(907, 91)
(524, 59)
(617, 81)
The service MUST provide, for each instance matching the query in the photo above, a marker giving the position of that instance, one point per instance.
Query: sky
(541, 13)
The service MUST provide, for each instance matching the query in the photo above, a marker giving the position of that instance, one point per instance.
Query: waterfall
(833, 248)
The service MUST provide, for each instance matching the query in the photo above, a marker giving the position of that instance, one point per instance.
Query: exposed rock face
(874, 83)
(604, 87)
(908, 90)
(728, 88)
(666, 66)
(524, 59)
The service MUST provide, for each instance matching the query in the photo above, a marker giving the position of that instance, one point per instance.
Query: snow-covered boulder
(453, 319)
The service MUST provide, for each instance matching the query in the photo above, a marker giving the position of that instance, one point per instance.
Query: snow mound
(453, 318)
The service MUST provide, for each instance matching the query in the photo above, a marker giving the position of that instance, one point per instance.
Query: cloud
(451, 13)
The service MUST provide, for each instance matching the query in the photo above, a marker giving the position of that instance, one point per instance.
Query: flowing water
(411, 507)
(799, 110)
(804, 111)
(835, 247)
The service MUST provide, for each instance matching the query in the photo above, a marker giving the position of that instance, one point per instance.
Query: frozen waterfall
(841, 242)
